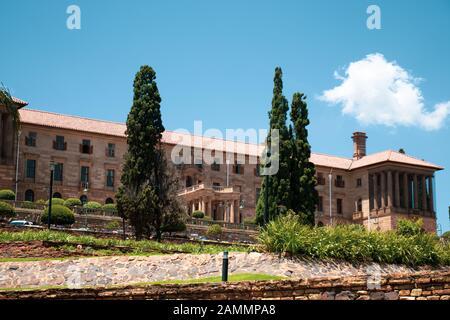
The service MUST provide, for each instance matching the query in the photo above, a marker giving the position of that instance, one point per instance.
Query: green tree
(304, 196)
(279, 184)
(147, 196)
(7, 101)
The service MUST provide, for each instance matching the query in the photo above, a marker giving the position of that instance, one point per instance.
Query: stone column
(397, 189)
(389, 187)
(210, 207)
(232, 212)
(406, 191)
(203, 209)
(383, 189)
(416, 191)
(375, 190)
(430, 191)
(424, 193)
(193, 206)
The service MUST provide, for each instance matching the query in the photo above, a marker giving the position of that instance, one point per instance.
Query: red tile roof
(56, 120)
(20, 102)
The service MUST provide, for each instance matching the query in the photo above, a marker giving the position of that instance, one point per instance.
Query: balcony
(202, 186)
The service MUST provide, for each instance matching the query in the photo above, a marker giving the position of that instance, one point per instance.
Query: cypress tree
(147, 196)
(279, 183)
(304, 196)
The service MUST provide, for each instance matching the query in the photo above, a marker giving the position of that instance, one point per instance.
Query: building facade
(222, 179)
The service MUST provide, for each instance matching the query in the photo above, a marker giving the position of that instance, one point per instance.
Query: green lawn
(217, 279)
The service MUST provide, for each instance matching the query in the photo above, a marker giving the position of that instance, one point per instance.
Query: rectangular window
(84, 174)
(238, 168)
(320, 204)
(85, 146)
(258, 170)
(339, 182)
(31, 168)
(215, 166)
(111, 151)
(58, 173)
(110, 178)
(320, 179)
(339, 206)
(359, 182)
(30, 140)
(59, 143)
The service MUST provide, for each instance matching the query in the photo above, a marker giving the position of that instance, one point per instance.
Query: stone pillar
(424, 193)
(383, 189)
(406, 190)
(430, 191)
(416, 191)
(210, 207)
(389, 187)
(203, 209)
(375, 190)
(232, 212)
(193, 206)
(397, 189)
(237, 209)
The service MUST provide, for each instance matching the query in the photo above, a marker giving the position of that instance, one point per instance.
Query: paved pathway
(129, 269)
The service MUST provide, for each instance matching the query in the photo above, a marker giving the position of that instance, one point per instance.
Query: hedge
(198, 214)
(72, 202)
(7, 194)
(57, 201)
(6, 210)
(110, 207)
(61, 215)
(92, 205)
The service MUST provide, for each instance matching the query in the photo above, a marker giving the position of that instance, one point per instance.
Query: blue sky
(215, 62)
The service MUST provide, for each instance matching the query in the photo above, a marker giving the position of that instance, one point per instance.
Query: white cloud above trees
(381, 92)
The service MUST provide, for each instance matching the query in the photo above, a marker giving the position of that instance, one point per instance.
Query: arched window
(188, 181)
(57, 195)
(29, 195)
(320, 224)
(109, 200)
(84, 199)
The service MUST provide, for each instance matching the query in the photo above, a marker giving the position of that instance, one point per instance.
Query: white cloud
(376, 91)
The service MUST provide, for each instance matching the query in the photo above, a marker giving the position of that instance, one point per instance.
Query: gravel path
(133, 269)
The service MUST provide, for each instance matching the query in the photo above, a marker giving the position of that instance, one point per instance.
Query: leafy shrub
(93, 205)
(409, 228)
(61, 215)
(214, 230)
(287, 234)
(41, 202)
(250, 220)
(113, 225)
(110, 207)
(29, 205)
(72, 202)
(7, 194)
(6, 210)
(178, 226)
(446, 236)
(198, 214)
(57, 201)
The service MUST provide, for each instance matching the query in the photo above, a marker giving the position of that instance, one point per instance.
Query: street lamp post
(330, 177)
(52, 169)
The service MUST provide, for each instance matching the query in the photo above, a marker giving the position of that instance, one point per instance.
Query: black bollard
(225, 266)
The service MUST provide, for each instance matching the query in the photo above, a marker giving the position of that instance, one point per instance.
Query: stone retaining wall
(419, 286)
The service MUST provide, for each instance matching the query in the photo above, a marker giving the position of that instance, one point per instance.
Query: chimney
(359, 145)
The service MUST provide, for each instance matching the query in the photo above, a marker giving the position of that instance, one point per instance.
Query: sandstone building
(374, 190)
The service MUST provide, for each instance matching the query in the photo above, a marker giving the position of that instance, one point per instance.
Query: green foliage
(113, 225)
(110, 207)
(293, 186)
(29, 205)
(139, 247)
(57, 201)
(446, 236)
(198, 214)
(214, 230)
(178, 226)
(7, 194)
(148, 195)
(6, 210)
(41, 202)
(72, 202)
(250, 220)
(287, 234)
(93, 205)
(7, 101)
(409, 228)
(60, 215)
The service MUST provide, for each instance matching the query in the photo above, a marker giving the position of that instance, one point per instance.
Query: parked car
(20, 223)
